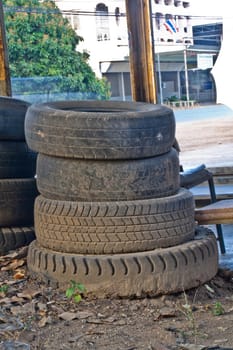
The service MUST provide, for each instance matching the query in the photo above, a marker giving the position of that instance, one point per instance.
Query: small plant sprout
(4, 289)
(218, 309)
(187, 310)
(75, 291)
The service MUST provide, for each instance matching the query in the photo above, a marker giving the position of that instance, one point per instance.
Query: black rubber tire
(156, 272)
(114, 227)
(101, 180)
(16, 160)
(17, 202)
(12, 238)
(100, 129)
(12, 118)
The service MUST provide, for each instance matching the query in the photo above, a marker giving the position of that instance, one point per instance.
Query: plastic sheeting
(223, 68)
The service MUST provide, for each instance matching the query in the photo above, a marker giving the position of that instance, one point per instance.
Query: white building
(172, 24)
(103, 26)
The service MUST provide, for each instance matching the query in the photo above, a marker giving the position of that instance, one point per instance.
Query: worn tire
(12, 238)
(114, 227)
(16, 160)
(17, 202)
(100, 129)
(89, 180)
(151, 273)
(12, 117)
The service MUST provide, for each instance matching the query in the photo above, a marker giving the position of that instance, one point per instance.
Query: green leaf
(218, 309)
(81, 287)
(77, 298)
(4, 288)
(69, 292)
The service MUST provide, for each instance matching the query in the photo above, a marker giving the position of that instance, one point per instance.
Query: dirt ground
(198, 135)
(209, 142)
(34, 316)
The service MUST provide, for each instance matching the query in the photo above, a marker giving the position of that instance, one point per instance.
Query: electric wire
(40, 10)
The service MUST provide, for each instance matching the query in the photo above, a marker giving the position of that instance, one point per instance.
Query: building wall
(178, 13)
(106, 37)
(103, 25)
(104, 32)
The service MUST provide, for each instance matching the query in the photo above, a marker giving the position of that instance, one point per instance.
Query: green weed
(218, 309)
(75, 291)
(4, 288)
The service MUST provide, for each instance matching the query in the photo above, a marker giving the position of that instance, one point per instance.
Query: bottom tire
(151, 273)
(15, 237)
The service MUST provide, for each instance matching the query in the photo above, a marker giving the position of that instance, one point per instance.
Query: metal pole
(142, 65)
(122, 86)
(186, 74)
(160, 80)
(5, 83)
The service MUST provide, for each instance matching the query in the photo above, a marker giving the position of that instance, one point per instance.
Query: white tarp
(223, 68)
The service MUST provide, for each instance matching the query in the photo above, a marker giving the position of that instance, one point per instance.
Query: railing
(181, 103)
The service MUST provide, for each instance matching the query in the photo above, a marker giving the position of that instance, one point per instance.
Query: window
(117, 15)
(167, 2)
(185, 4)
(102, 22)
(73, 20)
(168, 16)
(158, 20)
(177, 3)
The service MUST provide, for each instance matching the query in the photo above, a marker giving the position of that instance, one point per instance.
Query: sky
(211, 8)
(205, 6)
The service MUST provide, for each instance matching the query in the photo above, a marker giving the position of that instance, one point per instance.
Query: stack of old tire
(17, 177)
(111, 213)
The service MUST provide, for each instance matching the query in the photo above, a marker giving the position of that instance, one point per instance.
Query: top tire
(12, 117)
(100, 129)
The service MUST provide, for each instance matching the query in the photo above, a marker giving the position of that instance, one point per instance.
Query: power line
(92, 13)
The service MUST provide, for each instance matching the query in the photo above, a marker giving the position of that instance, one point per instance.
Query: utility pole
(186, 74)
(5, 84)
(142, 64)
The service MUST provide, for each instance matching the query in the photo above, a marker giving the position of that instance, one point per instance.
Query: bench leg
(218, 226)
(220, 238)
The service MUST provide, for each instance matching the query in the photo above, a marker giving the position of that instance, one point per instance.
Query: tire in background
(114, 227)
(100, 129)
(151, 273)
(16, 160)
(12, 238)
(17, 202)
(12, 117)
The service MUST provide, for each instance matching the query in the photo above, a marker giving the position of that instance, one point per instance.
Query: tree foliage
(42, 43)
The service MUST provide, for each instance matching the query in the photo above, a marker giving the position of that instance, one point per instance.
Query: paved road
(202, 112)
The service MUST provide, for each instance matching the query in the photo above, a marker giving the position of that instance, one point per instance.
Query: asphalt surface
(202, 112)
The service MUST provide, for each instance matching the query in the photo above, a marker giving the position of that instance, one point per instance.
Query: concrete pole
(142, 64)
(160, 79)
(186, 74)
(5, 84)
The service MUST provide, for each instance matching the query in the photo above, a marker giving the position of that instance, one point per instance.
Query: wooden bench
(220, 212)
(195, 176)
